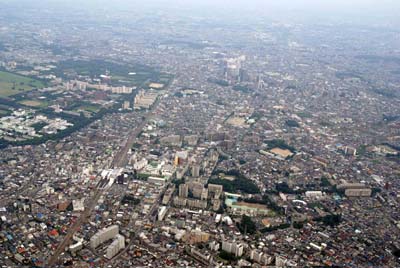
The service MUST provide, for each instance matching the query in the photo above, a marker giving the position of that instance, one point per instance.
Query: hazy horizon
(366, 12)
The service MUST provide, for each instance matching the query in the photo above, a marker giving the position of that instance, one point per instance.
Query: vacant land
(281, 152)
(236, 121)
(250, 205)
(12, 84)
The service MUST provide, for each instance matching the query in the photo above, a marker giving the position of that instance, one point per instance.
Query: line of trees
(274, 228)
(277, 143)
(240, 183)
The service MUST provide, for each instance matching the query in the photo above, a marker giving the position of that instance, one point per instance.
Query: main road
(119, 160)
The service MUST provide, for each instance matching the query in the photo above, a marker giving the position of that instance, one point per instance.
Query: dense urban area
(151, 139)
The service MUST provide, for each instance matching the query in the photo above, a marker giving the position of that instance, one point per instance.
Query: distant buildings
(144, 100)
(81, 85)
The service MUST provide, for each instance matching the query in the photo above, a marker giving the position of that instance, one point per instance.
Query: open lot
(236, 121)
(156, 85)
(281, 152)
(89, 108)
(12, 84)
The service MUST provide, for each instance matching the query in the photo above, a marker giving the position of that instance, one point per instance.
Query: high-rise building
(233, 247)
(103, 235)
(195, 170)
(126, 105)
(197, 191)
(183, 190)
(115, 247)
(260, 82)
(194, 203)
(260, 257)
(233, 68)
(180, 201)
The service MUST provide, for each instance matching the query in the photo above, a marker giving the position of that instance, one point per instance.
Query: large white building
(314, 194)
(157, 180)
(358, 192)
(260, 257)
(104, 235)
(162, 212)
(116, 246)
(111, 175)
(233, 247)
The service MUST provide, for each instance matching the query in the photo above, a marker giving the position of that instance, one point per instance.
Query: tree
(292, 123)
(240, 183)
(227, 256)
(330, 219)
(325, 182)
(247, 226)
(298, 225)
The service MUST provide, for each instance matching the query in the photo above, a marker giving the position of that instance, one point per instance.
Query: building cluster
(27, 124)
(106, 234)
(144, 100)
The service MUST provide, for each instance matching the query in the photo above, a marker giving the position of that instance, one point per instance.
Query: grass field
(89, 108)
(34, 103)
(11, 84)
(121, 74)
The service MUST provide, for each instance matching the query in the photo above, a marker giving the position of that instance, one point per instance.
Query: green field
(12, 84)
(121, 74)
(89, 108)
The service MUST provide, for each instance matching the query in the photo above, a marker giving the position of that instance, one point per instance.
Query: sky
(322, 5)
(363, 11)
